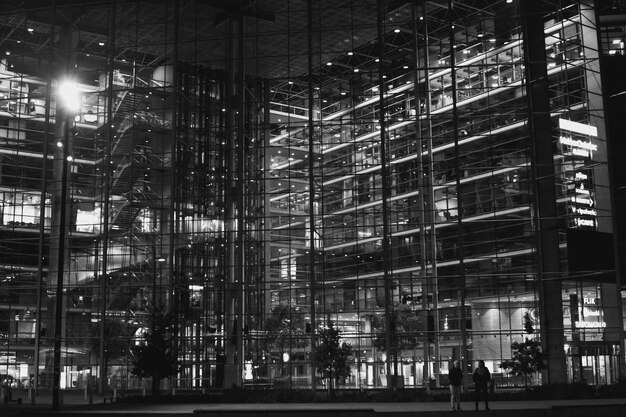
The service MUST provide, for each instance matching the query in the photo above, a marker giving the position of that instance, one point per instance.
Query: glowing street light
(68, 95)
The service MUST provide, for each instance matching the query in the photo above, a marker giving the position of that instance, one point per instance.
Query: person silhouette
(456, 382)
(481, 379)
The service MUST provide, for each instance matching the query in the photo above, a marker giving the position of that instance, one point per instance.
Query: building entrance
(593, 363)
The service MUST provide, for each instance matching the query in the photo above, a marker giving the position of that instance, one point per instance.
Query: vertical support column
(174, 218)
(545, 210)
(42, 209)
(459, 194)
(240, 185)
(229, 324)
(61, 202)
(234, 221)
(390, 347)
(106, 172)
(428, 238)
(267, 203)
(311, 167)
(613, 100)
(61, 199)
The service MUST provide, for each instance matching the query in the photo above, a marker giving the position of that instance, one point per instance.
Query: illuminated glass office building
(424, 174)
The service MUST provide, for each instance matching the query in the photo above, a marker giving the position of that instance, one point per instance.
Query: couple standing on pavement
(481, 378)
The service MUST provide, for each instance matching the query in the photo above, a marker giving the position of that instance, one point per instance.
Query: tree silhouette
(285, 329)
(527, 355)
(116, 338)
(405, 332)
(157, 358)
(330, 357)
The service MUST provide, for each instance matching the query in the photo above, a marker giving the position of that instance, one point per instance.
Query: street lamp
(68, 103)
(68, 96)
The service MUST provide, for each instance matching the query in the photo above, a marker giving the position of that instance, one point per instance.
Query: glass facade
(422, 174)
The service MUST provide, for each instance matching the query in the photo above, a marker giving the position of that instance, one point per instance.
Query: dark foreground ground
(78, 406)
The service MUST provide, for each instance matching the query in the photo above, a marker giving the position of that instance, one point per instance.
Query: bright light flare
(68, 95)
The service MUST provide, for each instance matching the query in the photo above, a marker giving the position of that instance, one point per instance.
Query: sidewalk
(76, 405)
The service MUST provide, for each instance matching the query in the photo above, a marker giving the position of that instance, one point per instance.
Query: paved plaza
(78, 405)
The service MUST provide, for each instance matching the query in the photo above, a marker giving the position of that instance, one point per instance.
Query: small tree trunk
(329, 387)
(155, 386)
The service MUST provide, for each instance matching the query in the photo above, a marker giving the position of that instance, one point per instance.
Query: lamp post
(68, 102)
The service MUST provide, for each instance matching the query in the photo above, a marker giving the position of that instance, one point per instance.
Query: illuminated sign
(247, 372)
(583, 206)
(581, 211)
(580, 176)
(584, 222)
(586, 201)
(582, 190)
(591, 313)
(577, 140)
(579, 147)
(577, 143)
(590, 324)
(579, 128)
